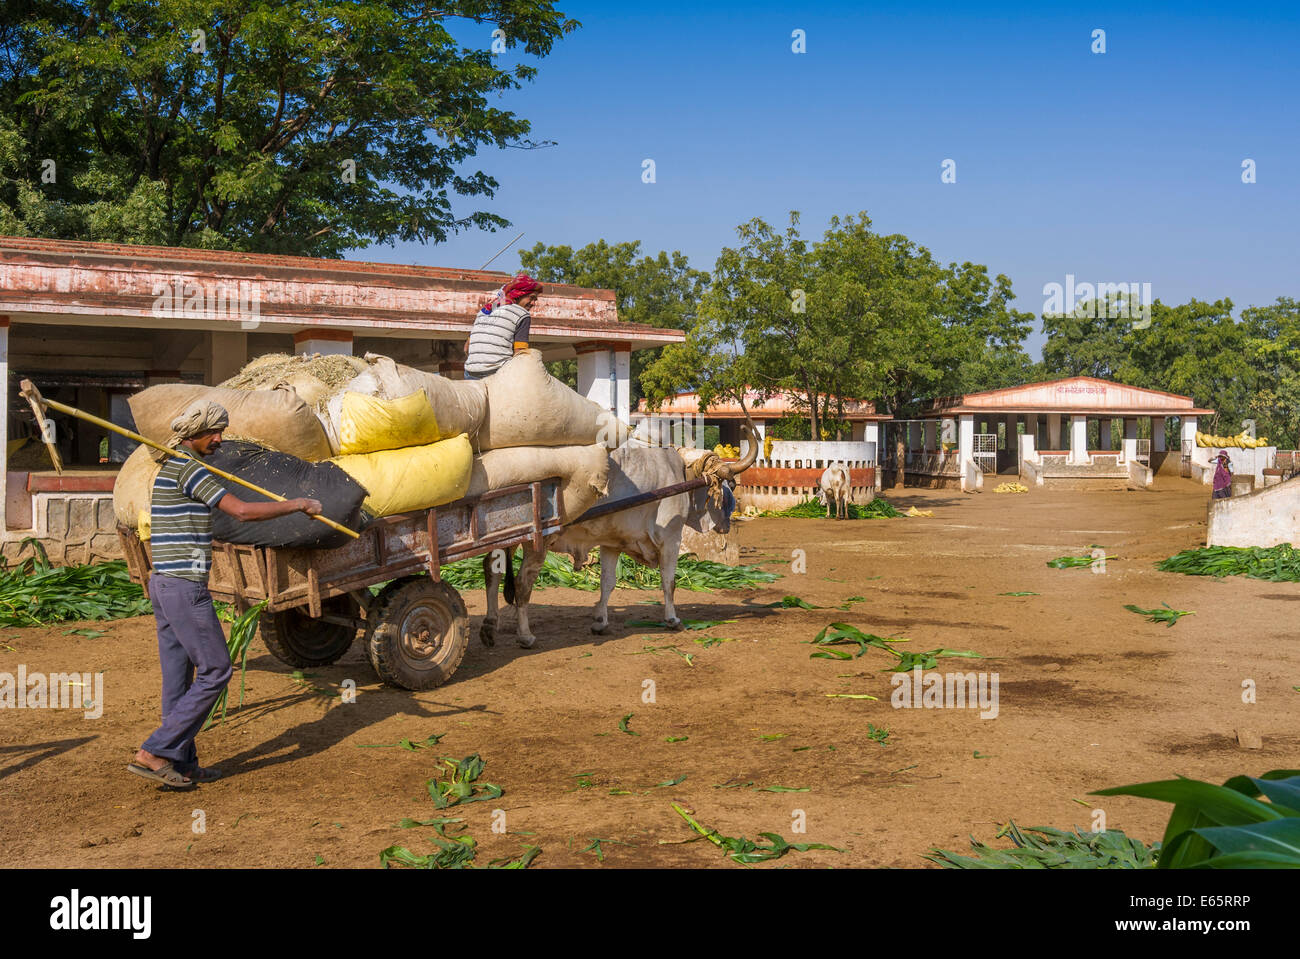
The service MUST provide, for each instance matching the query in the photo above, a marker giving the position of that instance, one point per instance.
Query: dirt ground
(1090, 696)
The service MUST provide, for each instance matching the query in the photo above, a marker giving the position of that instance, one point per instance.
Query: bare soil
(1090, 696)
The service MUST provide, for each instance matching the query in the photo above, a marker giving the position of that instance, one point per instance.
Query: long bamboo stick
(33, 396)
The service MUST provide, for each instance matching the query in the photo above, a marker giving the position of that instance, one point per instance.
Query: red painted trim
(71, 482)
(323, 333)
(791, 476)
(595, 346)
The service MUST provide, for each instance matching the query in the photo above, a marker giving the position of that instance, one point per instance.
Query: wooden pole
(33, 396)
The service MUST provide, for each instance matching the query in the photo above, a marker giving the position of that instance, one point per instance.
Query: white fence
(806, 454)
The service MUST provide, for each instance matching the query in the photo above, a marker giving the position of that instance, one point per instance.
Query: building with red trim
(91, 323)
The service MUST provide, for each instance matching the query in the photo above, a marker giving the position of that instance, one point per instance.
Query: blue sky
(1115, 167)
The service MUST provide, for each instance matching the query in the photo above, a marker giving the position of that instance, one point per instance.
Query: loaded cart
(415, 630)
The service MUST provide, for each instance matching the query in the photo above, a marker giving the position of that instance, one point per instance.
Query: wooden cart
(415, 629)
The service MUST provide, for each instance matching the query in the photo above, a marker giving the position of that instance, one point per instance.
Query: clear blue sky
(1115, 167)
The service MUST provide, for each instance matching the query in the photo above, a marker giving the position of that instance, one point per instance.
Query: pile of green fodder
(698, 575)
(878, 508)
(1040, 847)
(34, 593)
(1277, 564)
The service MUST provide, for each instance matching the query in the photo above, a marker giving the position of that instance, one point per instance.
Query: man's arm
(253, 512)
(521, 333)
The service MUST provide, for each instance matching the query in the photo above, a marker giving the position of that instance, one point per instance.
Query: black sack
(339, 494)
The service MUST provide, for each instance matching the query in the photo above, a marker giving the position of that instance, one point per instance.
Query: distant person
(191, 646)
(501, 327)
(1222, 476)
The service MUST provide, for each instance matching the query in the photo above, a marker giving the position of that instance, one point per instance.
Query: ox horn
(731, 470)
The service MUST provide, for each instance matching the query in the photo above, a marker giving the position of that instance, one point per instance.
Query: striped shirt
(181, 519)
(493, 338)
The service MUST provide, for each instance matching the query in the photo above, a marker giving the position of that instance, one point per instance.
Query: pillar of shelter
(1054, 431)
(604, 377)
(931, 436)
(1078, 439)
(327, 342)
(1130, 428)
(966, 437)
(1031, 427)
(1103, 433)
(1158, 433)
(1011, 420)
(227, 355)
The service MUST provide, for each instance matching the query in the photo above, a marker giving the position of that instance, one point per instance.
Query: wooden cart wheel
(295, 639)
(418, 633)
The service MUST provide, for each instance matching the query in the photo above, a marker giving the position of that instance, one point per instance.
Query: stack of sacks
(525, 424)
(394, 448)
(277, 419)
(412, 439)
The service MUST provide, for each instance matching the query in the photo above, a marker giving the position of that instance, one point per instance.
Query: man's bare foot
(149, 759)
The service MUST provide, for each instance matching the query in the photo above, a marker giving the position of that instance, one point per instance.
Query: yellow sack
(416, 477)
(368, 424)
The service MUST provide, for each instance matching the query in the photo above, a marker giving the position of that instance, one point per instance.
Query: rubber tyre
(295, 639)
(419, 633)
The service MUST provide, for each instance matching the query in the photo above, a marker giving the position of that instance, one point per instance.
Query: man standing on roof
(501, 327)
(191, 646)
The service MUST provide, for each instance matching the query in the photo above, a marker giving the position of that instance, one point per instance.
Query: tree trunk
(812, 414)
(900, 448)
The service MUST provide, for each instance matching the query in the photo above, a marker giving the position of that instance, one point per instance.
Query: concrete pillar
(966, 436)
(1157, 433)
(1189, 431)
(604, 376)
(1054, 431)
(966, 448)
(227, 354)
(1031, 427)
(593, 374)
(1103, 433)
(931, 435)
(1078, 439)
(327, 342)
(621, 385)
(859, 432)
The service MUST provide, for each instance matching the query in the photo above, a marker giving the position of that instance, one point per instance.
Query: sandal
(204, 775)
(167, 774)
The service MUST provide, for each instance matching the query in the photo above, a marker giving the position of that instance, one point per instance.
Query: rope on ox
(705, 465)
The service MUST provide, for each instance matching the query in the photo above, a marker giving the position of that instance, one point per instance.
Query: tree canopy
(857, 314)
(309, 128)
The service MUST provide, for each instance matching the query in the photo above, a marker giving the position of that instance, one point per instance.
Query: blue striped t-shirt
(180, 518)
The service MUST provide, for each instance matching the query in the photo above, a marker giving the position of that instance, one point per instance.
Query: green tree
(662, 290)
(308, 128)
(754, 328)
(1273, 343)
(856, 315)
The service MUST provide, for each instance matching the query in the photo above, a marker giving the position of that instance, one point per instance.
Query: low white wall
(1264, 518)
(819, 455)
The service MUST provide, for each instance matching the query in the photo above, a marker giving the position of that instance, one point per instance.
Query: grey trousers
(195, 665)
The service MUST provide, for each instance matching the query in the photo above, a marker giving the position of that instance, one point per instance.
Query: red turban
(515, 289)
